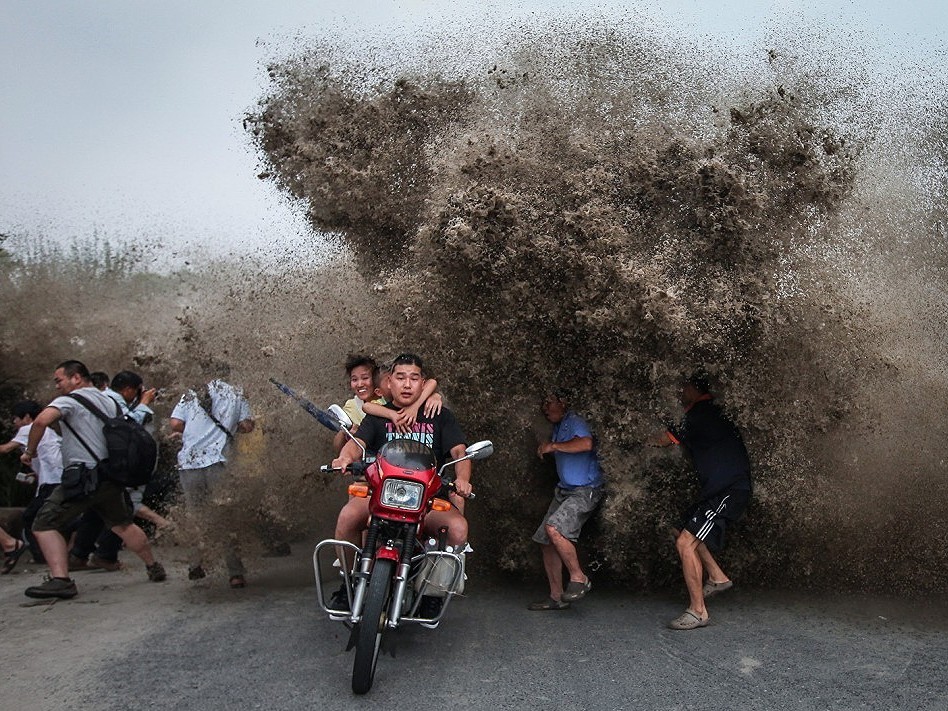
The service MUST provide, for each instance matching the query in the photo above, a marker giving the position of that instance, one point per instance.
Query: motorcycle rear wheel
(372, 626)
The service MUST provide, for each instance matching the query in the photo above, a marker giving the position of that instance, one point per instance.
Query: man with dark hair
(365, 381)
(720, 460)
(47, 466)
(92, 537)
(83, 447)
(131, 394)
(575, 498)
(441, 432)
(99, 379)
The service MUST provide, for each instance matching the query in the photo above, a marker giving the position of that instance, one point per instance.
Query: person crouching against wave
(576, 497)
(720, 460)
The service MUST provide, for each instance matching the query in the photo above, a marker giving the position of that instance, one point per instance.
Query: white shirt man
(203, 457)
(202, 441)
(48, 463)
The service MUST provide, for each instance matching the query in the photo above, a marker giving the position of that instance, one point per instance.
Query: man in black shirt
(720, 460)
(441, 432)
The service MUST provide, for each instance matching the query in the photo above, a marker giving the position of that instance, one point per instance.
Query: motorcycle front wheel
(372, 626)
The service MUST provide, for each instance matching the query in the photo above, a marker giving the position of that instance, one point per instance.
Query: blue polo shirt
(582, 468)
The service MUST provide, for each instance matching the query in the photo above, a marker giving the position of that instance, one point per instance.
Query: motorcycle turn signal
(361, 490)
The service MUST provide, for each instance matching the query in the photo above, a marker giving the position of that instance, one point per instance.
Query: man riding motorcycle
(441, 432)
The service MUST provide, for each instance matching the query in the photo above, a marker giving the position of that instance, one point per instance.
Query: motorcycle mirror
(345, 423)
(480, 450)
(341, 417)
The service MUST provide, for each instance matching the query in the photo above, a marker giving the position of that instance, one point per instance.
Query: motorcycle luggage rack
(348, 575)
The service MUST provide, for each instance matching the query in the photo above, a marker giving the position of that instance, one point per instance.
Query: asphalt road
(202, 646)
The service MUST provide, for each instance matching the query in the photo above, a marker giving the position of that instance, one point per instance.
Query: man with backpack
(90, 473)
(128, 391)
(208, 420)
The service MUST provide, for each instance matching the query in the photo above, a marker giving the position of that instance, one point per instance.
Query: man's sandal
(711, 588)
(688, 621)
(548, 604)
(10, 559)
(576, 591)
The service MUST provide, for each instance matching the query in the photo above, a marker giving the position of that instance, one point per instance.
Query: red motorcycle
(397, 576)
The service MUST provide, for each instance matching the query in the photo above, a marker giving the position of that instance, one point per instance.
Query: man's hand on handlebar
(463, 488)
(341, 463)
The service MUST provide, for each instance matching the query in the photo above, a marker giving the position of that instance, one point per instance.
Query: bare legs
(558, 553)
(136, 541)
(56, 553)
(7, 541)
(695, 560)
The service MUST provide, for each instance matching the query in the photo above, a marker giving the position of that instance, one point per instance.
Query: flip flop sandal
(576, 591)
(10, 559)
(711, 588)
(688, 621)
(548, 604)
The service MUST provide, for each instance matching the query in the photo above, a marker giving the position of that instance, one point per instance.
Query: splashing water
(602, 209)
(605, 210)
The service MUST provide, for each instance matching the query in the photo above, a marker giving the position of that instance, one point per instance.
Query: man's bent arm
(350, 453)
(462, 470)
(42, 421)
(10, 446)
(572, 446)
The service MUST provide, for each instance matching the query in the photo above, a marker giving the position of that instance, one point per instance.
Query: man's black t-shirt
(441, 432)
(716, 448)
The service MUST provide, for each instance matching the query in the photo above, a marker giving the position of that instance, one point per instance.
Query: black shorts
(708, 519)
(110, 501)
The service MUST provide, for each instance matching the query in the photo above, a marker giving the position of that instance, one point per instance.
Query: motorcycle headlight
(401, 494)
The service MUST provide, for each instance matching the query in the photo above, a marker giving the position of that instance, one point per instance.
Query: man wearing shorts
(83, 446)
(720, 460)
(575, 498)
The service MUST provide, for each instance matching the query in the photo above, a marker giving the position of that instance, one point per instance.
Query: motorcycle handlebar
(357, 468)
(452, 487)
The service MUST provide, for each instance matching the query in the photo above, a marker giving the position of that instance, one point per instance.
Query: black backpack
(133, 452)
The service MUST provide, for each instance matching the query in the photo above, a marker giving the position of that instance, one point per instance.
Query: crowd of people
(396, 400)
(393, 400)
(80, 518)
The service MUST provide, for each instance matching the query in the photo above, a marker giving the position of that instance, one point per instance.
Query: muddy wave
(596, 210)
(600, 209)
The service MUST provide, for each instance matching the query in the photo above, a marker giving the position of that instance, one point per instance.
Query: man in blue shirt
(574, 500)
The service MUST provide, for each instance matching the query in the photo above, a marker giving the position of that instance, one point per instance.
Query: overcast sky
(125, 117)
